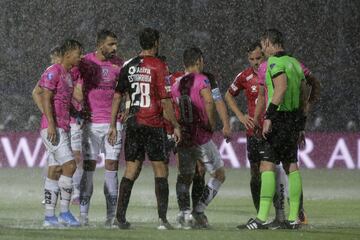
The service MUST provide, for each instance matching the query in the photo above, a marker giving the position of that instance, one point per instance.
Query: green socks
(295, 187)
(267, 194)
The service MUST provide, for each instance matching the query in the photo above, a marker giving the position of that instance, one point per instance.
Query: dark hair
(252, 47)
(68, 45)
(55, 50)
(191, 55)
(148, 37)
(274, 36)
(103, 34)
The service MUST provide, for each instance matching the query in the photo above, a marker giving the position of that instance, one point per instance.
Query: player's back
(145, 80)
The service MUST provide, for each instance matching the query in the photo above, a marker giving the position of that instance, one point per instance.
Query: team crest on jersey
(249, 77)
(272, 65)
(253, 88)
(50, 76)
(105, 72)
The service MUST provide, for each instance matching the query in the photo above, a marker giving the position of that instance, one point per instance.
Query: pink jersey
(200, 134)
(60, 82)
(100, 95)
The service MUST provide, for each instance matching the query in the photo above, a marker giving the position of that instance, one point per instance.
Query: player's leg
(255, 176)
(187, 159)
(64, 156)
(198, 183)
(111, 183)
(76, 136)
(156, 151)
(134, 156)
(215, 166)
(91, 148)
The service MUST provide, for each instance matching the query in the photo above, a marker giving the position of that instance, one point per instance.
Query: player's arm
(280, 86)
(260, 105)
(78, 93)
(243, 118)
(209, 105)
(115, 106)
(224, 116)
(37, 97)
(314, 95)
(48, 111)
(169, 112)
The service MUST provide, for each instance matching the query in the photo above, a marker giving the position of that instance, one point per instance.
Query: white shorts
(61, 152)
(76, 136)
(95, 141)
(211, 157)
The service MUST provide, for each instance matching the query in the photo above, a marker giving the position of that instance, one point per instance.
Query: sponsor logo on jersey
(253, 88)
(249, 77)
(50, 76)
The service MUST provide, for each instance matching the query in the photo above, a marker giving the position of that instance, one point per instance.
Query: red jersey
(247, 80)
(143, 77)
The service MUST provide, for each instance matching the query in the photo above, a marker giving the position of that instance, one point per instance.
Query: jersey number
(142, 89)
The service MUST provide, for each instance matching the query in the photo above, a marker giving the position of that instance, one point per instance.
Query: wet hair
(55, 50)
(252, 47)
(274, 36)
(68, 45)
(191, 55)
(148, 38)
(103, 34)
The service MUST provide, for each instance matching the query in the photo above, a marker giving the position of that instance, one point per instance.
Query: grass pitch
(332, 202)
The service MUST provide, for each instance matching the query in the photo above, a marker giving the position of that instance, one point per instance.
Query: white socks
(51, 194)
(65, 185)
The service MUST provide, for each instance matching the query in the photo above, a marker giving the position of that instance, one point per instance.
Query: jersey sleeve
(236, 86)
(50, 78)
(161, 75)
(122, 84)
(306, 70)
(262, 74)
(275, 67)
(215, 90)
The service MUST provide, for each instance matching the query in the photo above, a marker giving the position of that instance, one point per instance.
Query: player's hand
(123, 116)
(257, 132)
(112, 135)
(51, 134)
(177, 135)
(266, 128)
(227, 133)
(247, 121)
(301, 140)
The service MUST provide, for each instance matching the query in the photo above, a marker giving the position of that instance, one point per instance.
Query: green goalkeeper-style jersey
(283, 63)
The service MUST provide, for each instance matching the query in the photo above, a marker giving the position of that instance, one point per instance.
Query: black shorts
(253, 145)
(141, 139)
(281, 143)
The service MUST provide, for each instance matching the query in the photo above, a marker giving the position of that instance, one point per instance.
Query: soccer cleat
(253, 224)
(303, 217)
(51, 222)
(184, 220)
(200, 220)
(122, 225)
(292, 225)
(164, 225)
(109, 223)
(68, 219)
(84, 220)
(276, 224)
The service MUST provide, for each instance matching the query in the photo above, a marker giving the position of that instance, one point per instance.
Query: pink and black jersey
(58, 80)
(193, 84)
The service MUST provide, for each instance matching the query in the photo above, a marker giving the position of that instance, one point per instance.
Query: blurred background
(324, 34)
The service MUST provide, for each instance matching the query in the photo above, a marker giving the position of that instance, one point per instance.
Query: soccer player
(143, 79)
(58, 90)
(100, 70)
(193, 93)
(285, 82)
(247, 80)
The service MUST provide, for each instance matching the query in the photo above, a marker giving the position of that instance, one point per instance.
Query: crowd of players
(81, 99)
